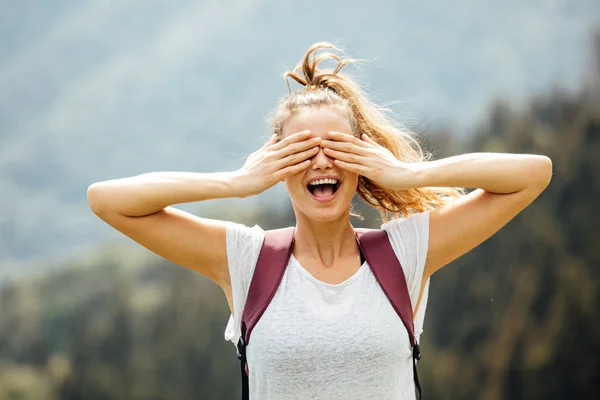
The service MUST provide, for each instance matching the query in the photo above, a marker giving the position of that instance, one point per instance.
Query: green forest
(516, 318)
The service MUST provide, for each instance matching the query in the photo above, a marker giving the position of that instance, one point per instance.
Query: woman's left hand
(369, 159)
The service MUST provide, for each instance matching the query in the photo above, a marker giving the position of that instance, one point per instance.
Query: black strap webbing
(245, 385)
(241, 354)
(416, 356)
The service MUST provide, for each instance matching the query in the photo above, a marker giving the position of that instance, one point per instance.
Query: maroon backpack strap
(272, 261)
(270, 267)
(377, 249)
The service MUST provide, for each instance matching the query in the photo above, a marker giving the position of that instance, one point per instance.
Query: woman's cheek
(294, 184)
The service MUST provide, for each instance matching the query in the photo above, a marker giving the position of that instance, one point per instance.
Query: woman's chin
(329, 213)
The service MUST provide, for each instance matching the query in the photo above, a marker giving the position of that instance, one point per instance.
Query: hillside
(514, 319)
(97, 90)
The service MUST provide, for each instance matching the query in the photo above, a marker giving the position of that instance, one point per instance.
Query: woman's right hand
(277, 160)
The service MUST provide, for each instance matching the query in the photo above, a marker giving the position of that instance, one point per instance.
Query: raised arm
(506, 184)
(140, 206)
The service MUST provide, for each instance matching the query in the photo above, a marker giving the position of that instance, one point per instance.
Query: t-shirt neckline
(310, 276)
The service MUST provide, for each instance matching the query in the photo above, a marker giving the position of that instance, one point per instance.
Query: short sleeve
(243, 247)
(410, 240)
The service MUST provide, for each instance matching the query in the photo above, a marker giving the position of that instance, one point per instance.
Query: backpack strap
(376, 247)
(270, 267)
(379, 253)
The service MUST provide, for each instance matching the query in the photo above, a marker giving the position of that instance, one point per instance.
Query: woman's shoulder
(414, 223)
(242, 229)
(409, 238)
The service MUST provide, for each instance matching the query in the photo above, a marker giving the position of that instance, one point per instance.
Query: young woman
(330, 332)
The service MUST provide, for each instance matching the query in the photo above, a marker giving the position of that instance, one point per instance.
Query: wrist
(238, 184)
(419, 174)
(411, 175)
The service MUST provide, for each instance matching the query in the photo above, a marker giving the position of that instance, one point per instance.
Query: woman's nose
(321, 161)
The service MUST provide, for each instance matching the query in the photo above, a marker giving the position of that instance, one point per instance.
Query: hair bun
(307, 72)
(308, 88)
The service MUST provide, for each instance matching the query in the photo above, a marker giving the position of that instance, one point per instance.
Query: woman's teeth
(323, 187)
(324, 181)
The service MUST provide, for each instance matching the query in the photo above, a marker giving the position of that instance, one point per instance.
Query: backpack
(271, 265)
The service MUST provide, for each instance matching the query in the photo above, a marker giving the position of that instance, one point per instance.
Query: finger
(346, 137)
(344, 156)
(298, 157)
(350, 167)
(300, 146)
(293, 138)
(368, 139)
(292, 169)
(347, 147)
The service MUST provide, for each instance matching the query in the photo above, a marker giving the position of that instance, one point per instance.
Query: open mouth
(323, 188)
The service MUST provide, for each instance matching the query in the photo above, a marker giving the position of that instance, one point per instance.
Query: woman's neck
(325, 241)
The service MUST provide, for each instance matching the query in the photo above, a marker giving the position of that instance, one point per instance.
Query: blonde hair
(332, 89)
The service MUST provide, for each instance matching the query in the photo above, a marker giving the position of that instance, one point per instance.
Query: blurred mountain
(97, 90)
(516, 318)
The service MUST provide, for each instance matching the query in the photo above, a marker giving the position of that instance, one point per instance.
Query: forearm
(149, 193)
(493, 172)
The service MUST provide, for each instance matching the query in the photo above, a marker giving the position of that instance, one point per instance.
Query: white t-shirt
(322, 341)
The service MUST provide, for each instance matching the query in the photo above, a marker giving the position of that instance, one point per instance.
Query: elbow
(96, 197)
(546, 173)
(542, 172)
